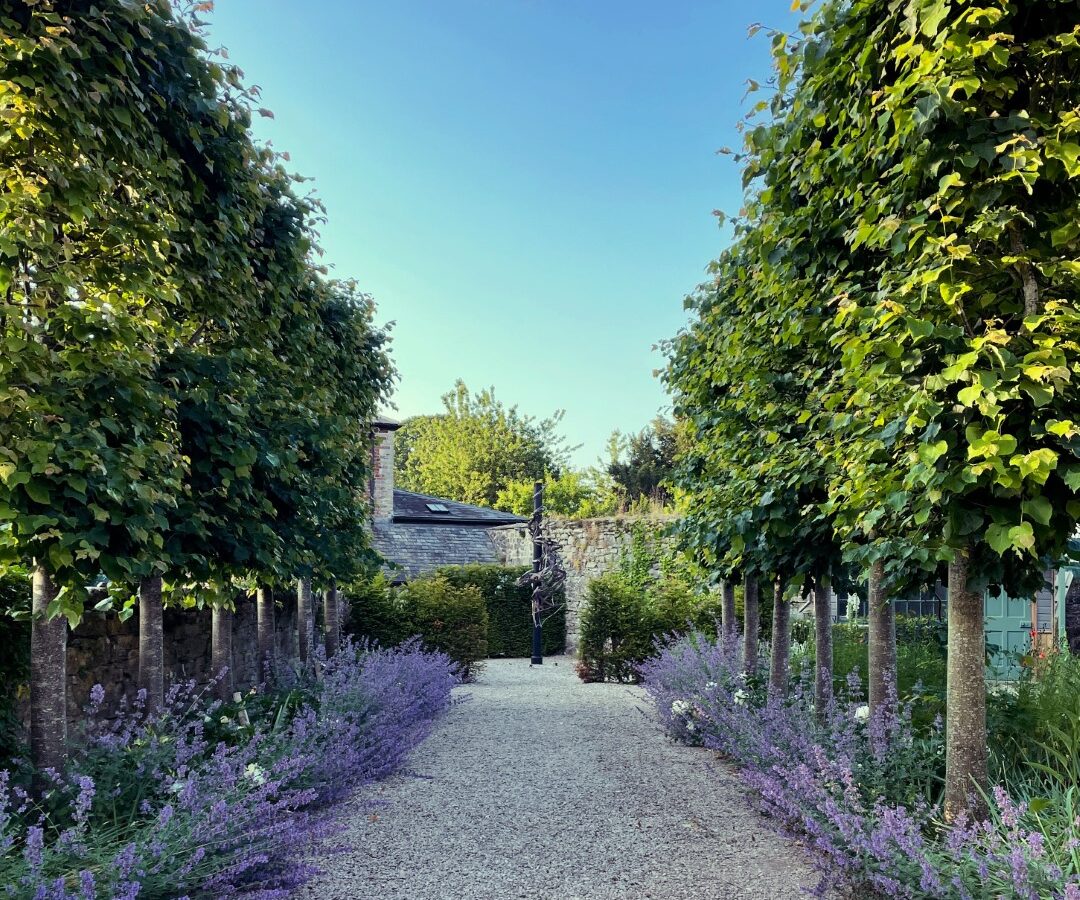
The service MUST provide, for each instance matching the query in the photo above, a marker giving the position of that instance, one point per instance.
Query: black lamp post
(537, 591)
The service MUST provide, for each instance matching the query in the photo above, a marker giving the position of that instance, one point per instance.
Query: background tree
(574, 494)
(642, 464)
(476, 448)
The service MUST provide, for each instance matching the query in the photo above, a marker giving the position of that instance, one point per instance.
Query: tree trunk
(48, 679)
(264, 616)
(881, 642)
(823, 650)
(151, 645)
(1032, 300)
(781, 643)
(330, 620)
(343, 613)
(305, 619)
(728, 625)
(965, 724)
(751, 624)
(221, 652)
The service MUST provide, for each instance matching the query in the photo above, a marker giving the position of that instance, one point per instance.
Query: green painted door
(1065, 576)
(1008, 633)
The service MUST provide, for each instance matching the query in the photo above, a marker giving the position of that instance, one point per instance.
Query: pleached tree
(184, 393)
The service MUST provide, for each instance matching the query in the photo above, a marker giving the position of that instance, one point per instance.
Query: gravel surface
(539, 786)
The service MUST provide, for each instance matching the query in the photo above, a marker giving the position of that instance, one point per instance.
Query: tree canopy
(643, 463)
(476, 448)
(182, 389)
(882, 366)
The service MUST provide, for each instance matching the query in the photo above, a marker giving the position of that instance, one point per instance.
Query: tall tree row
(182, 393)
(883, 363)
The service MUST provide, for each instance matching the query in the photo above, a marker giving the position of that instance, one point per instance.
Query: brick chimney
(382, 468)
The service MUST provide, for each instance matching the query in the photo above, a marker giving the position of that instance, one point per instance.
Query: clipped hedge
(621, 622)
(375, 613)
(509, 609)
(449, 618)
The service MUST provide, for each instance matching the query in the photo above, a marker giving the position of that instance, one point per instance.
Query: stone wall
(103, 650)
(589, 548)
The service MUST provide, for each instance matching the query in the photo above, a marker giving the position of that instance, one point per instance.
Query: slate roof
(412, 507)
(419, 539)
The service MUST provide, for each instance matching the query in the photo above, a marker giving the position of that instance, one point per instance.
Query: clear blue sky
(525, 186)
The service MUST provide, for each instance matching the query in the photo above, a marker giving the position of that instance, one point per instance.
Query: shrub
(621, 622)
(204, 801)
(509, 608)
(863, 795)
(376, 613)
(616, 631)
(449, 619)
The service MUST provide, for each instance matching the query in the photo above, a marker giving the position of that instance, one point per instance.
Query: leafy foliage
(452, 620)
(881, 368)
(450, 617)
(509, 609)
(573, 494)
(621, 622)
(15, 660)
(374, 613)
(180, 385)
(642, 464)
(476, 448)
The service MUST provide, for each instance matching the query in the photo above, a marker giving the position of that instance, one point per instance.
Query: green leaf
(1039, 509)
(997, 536)
(970, 394)
(37, 491)
(1036, 465)
(1022, 536)
(1066, 151)
(931, 453)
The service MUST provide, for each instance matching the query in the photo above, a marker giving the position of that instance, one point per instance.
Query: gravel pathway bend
(538, 787)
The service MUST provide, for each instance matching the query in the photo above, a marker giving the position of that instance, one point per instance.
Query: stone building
(417, 533)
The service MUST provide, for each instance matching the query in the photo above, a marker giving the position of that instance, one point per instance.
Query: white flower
(255, 774)
(177, 787)
(710, 685)
(689, 726)
(862, 713)
(740, 697)
(680, 707)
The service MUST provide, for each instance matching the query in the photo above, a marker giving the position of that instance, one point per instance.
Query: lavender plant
(195, 803)
(862, 792)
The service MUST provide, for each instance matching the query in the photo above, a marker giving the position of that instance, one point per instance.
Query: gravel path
(540, 787)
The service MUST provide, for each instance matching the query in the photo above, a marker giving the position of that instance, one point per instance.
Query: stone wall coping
(598, 520)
